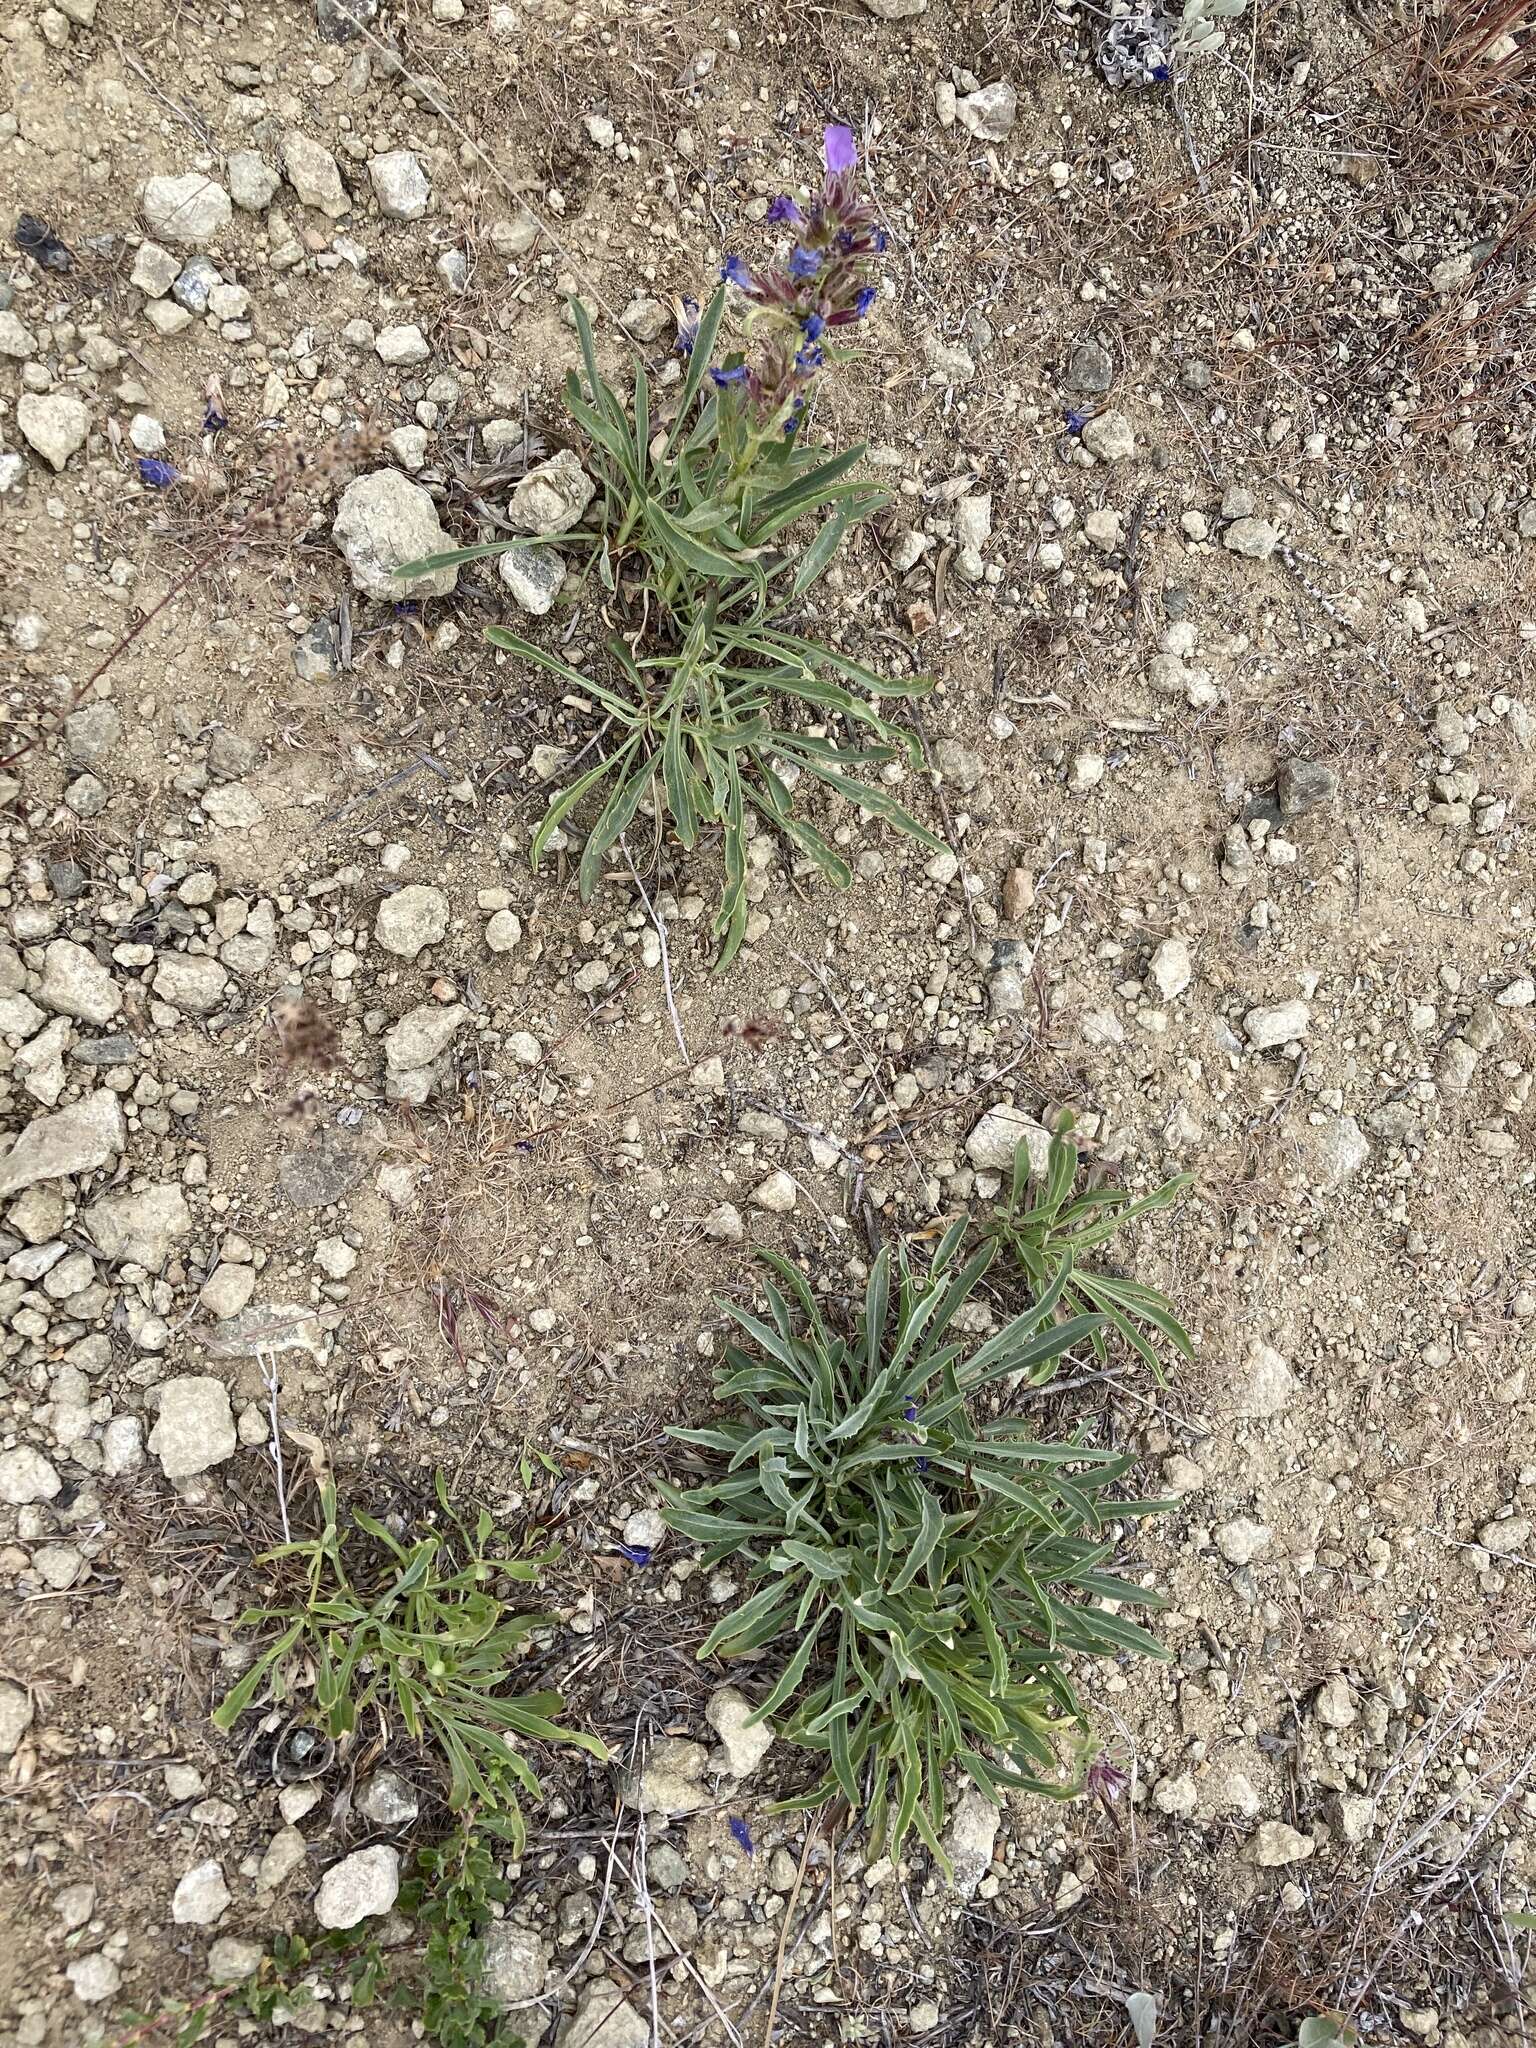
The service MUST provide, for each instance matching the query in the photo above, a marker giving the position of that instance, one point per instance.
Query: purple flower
(909, 1410)
(157, 474)
(783, 209)
(922, 1464)
(736, 375)
(804, 263)
(742, 1834)
(638, 1553)
(814, 326)
(1106, 1781)
(838, 151)
(1076, 421)
(687, 325)
(735, 272)
(214, 422)
(864, 301)
(792, 424)
(809, 359)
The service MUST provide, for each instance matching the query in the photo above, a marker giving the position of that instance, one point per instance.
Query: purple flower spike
(839, 152)
(735, 272)
(743, 1835)
(814, 326)
(804, 263)
(782, 209)
(864, 301)
(157, 474)
(639, 1554)
(724, 377)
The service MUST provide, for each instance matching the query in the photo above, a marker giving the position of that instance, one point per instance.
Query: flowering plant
(713, 701)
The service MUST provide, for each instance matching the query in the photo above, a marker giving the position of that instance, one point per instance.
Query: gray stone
(324, 1173)
(896, 10)
(313, 173)
(191, 209)
(20, 1016)
(989, 113)
(231, 1960)
(194, 284)
(140, 1227)
(551, 497)
(402, 346)
(1265, 1384)
(26, 1477)
(777, 1194)
(503, 932)
(1304, 785)
(671, 1779)
(75, 984)
(191, 982)
(16, 339)
(1242, 1539)
(93, 1978)
(996, 1138)
(1342, 1149)
(729, 1714)
(359, 1887)
(342, 21)
(604, 2018)
(383, 522)
(93, 733)
(1505, 1537)
(970, 1840)
(252, 180)
(411, 918)
(15, 1717)
(227, 1290)
(53, 424)
(399, 184)
(122, 1446)
(725, 1225)
(666, 1869)
(534, 576)
(315, 653)
(202, 1896)
(388, 1801)
(1091, 368)
(283, 1855)
(76, 1140)
(154, 271)
(1108, 436)
(1170, 968)
(196, 1427)
(1276, 1024)
(274, 1326)
(645, 319)
(516, 1964)
(1257, 539)
(424, 1034)
(1275, 1845)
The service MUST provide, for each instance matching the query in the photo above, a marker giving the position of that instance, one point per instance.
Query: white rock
(196, 1427)
(26, 1477)
(388, 1801)
(227, 1290)
(202, 1896)
(399, 184)
(1265, 1384)
(1255, 538)
(122, 1447)
(52, 424)
(1506, 1537)
(552, 496)
(1277, 1024)
(252, 180)
(724, 1224)
(383, 522)
(503, 932)
(516, 1963)
(777, 1194)
(729, 1714)
(93, 1978)
(645, 1529)
(140, 1226)
(1275, 1845)
(970, 1840)
(424, 1034)
(402, 346)
(312, 172)
(154, 271)
(191, 209)
(191, 982)
(534, 576)
(604, 2019)
(1108, 436)
(1241, 1540)
(994, 1141)
(410, 918)
(75, 1140)
(75, 984)
(896, 10)
(990, 112)
(359, 1887)
(231, 1960)
(1170, 968)
(15, 1716)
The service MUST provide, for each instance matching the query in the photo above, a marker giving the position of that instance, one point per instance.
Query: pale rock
(604, 2018)
(1505, 1537)
(745, 1743)
(516, 1965)
(1170, 968)
(191, 982)
(1274, 1845)
(231, 1960)
(671, 1778)
(411, 918)
(1277, 1024)
(141, 1226)
(122, 1447)
(191, 209)
(196, 1426)
(73, 1141)
(1109, 437)
(995, 1140)
(1335, 1705)
(227, 1290)
(313, 173)
(1241, 1540)
(424, 1034)
(402, 346)
(503, 932)
(1257, 539)
(53, 424)
(154, 271)
(1265, 1384)
(76, 986)
(645, 320)
(388, 1801)
(896, 10)
(252, 180)
(384, 521)
(26, 1477)
(724, 1224)
(535, 577)
(552, 496)
(202, 1896)
(777, 1194)
(989, 113)
(93, 1978)
(400, 185)
(359, 1887)
(970, 1840)
(283, 1855)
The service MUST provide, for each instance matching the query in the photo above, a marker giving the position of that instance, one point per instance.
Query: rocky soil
(329, 1123)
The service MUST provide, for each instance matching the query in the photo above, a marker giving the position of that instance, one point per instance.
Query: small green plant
(413, 1629)
(715, 702)
(1047, 1230)
(448, 1897)
(935, 1571)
